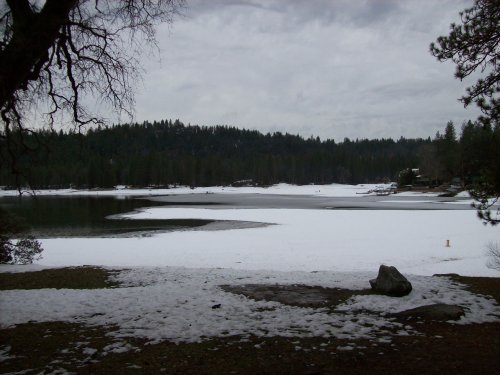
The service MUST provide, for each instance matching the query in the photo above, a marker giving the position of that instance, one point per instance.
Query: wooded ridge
(169, 153)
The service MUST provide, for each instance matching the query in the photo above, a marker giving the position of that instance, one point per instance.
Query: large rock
(390, 282)
(437, 311)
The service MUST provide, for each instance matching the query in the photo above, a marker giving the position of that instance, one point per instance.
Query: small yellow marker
(448, 243)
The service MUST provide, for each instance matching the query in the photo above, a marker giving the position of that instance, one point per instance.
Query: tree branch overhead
(56, 56)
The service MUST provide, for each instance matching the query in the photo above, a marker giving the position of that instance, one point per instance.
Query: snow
(170, 281)
(300, 239)
(175, 304)
(332, 190)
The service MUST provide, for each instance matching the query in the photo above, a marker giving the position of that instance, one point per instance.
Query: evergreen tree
(474, 46)
(168, 153)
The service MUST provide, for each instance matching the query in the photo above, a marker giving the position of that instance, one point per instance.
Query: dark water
(88, 216)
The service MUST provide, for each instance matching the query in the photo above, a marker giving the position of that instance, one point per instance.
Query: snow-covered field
(174, 277)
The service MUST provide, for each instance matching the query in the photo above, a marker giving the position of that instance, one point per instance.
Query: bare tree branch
(55, 59)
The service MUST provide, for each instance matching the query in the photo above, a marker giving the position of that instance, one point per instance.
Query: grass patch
(59, 278)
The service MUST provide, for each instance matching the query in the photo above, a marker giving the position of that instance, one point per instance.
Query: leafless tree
(56, 55)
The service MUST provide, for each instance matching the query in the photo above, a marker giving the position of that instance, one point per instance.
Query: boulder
(437, 311)
(390, 282)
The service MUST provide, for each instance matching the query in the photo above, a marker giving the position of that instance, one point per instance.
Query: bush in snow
(23, 251)
(493, 250)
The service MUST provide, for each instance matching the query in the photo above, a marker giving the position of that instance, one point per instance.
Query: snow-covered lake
(316, 235)
(313, 228)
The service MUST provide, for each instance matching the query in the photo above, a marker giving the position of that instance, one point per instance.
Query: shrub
(23, 251)
(493, 250)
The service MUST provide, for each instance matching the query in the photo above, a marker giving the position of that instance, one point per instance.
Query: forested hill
(166, 153)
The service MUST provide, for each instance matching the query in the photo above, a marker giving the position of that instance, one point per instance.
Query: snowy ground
(173, 278)
(299, 240)
(333, 190)
(176, 304)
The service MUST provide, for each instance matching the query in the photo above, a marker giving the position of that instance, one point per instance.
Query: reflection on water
(87, 216)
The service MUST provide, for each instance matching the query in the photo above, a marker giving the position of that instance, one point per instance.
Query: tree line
(471, 157)
(168, 153)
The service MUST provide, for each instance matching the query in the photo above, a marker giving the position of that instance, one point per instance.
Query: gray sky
(328, 68)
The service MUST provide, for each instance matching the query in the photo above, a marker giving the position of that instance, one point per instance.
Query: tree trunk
(33, 36)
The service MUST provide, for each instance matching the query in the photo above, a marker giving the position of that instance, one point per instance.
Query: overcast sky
(328, 68)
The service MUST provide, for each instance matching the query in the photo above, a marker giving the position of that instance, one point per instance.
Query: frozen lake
(360, 202)
(53, 216)
(307, 228)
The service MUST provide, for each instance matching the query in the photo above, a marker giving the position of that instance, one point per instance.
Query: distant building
(242, 183)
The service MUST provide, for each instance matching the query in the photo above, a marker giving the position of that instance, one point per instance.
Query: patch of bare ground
(443, 348)
(481, 285)
(438, 348)
(85, 277)
(296, 295)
